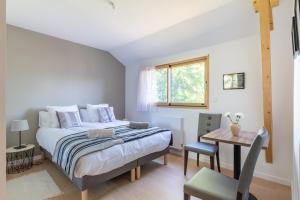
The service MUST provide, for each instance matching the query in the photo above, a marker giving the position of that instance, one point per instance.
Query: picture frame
(234, 81)
(294, 31)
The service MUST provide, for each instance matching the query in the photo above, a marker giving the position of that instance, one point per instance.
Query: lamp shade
(19, 125)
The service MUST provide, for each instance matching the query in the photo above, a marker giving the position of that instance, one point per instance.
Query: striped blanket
(71, 148)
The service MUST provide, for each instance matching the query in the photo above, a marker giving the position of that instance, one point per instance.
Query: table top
(245, 138)
(13, 150)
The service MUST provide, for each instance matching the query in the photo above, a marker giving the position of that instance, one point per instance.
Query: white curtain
(146, 90)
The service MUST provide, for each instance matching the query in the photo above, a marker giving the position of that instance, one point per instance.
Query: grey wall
(42, 70)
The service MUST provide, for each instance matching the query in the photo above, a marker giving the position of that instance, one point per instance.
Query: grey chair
(206, 124)
(210, 185)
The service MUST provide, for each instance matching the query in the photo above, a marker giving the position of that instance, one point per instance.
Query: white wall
(241, 55)
(2, 113)
(296, 145)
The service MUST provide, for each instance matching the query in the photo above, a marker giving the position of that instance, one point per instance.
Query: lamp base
(20, 147)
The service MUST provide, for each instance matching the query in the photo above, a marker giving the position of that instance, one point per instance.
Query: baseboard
(223, 164)
(257, 174)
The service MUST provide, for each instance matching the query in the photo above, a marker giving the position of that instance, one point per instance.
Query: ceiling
(95, 23)
(234, 20)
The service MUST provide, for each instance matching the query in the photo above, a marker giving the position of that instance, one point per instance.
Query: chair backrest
(250, 162)
(208, 122)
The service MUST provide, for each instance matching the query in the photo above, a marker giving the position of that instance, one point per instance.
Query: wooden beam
(273, 4)
(255, 5)
(264, 15)
(271, 18)
(257, 9)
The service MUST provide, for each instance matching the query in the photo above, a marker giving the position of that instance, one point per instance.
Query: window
(183, 83)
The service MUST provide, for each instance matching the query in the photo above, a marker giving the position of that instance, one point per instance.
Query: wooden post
(138, 172)
(264, 7)
(84, 195)
(132, 175)
(165, 159)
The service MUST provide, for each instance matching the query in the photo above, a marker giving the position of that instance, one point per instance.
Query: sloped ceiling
(136, 29)
(96, 23)
(231, 21)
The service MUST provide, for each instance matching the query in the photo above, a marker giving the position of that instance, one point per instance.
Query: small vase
(235, 129)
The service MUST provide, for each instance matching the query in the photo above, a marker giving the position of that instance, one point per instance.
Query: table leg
(237, 161)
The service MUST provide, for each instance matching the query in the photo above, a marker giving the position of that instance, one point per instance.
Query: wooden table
(245, 138)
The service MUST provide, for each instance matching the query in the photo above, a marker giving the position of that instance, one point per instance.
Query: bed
(103, 165)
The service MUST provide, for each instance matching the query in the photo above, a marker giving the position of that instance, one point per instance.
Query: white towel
(101, 133)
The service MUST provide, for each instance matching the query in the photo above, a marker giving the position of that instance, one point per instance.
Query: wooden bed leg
(43, 156)
(165, 159)
(132, 175)
(138, 172)
(84, 195)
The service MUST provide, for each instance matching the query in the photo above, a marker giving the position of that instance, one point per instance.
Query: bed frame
(134, 167)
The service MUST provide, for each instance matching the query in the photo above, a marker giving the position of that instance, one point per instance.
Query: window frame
(169, 66)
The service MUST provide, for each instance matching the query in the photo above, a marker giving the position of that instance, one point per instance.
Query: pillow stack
(71, 116)
(100, 113)
(48, 120)
(93, 113)
(106, 114)
(68, 116)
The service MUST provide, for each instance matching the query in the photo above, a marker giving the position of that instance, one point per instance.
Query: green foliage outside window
(161, 84)
(187, 83)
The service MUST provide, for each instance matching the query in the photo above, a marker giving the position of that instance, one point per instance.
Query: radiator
(175, 124)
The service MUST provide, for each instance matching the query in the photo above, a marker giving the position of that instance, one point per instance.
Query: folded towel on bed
(139, 125)
(101, 133)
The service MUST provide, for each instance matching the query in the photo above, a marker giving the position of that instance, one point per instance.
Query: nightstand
(18, 160)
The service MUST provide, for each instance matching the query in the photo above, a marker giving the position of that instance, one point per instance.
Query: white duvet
(108, 159)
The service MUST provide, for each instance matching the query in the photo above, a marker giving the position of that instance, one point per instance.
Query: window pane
(188, 83)
(162, 84)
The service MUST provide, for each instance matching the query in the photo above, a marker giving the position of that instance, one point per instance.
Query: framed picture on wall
(234, 81)
(295, 32)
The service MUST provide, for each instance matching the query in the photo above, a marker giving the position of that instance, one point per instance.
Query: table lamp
(19, 126)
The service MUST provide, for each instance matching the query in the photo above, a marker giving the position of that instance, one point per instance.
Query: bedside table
(18, 160)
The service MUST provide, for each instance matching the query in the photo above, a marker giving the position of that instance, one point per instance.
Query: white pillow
(69, 119)
(48, 120)
(93, 113)
(106, 114)
(84, 115)
(73, 108)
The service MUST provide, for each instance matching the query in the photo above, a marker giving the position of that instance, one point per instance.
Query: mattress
(109, 159)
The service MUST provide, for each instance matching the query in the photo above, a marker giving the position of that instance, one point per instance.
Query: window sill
(183, 106)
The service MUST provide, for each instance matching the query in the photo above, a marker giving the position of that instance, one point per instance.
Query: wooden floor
(158, 182)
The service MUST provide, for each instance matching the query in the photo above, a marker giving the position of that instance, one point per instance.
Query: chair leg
(186, 156)
(218, 161)
(197, 159)
(187, 197)
(212, 162)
